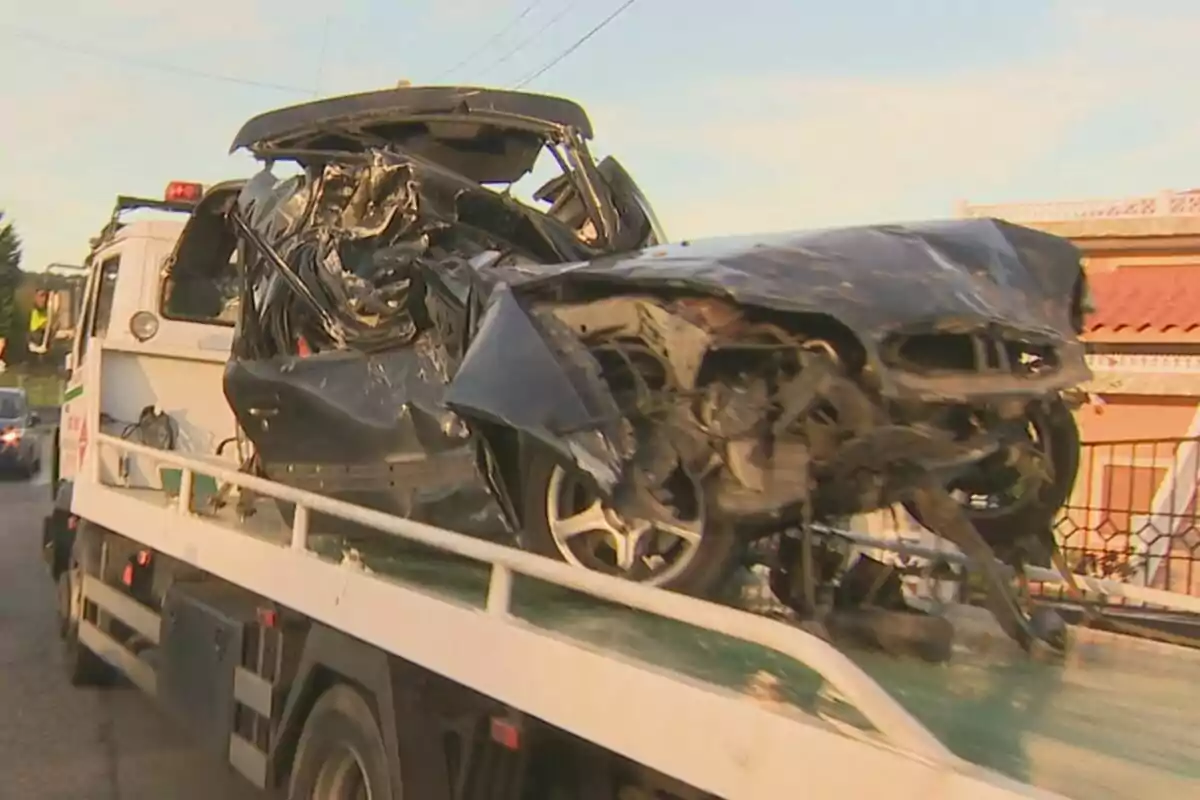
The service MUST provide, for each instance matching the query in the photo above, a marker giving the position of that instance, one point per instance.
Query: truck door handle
(263, 413)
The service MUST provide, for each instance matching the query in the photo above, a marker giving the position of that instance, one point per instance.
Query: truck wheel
(83, 667)
(341, 754)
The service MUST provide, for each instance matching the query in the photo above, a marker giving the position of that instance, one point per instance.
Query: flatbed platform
(1116, 720)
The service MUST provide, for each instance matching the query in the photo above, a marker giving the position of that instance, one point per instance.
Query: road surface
(60, 743)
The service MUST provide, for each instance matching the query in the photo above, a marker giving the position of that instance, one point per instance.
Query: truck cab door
(97, 308)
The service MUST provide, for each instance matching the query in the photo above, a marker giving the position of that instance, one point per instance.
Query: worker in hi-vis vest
(39, 319)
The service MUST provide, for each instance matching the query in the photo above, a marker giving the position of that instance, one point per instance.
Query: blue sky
(734, 117)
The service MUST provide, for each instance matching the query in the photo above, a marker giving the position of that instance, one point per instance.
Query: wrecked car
(414, 338)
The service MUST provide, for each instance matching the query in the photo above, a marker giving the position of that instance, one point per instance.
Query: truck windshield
(207, 299)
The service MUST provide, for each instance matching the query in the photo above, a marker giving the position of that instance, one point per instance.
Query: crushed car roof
(406, 104)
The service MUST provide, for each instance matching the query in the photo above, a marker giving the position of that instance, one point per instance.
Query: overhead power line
(533, 37)
(495, 36)
(578, 43)
(30, 37)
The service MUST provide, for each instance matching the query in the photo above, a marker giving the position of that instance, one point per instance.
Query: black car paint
(970, 275)
(350, 408)
(321, 421)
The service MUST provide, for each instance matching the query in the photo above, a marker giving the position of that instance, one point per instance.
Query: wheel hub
(649, 551)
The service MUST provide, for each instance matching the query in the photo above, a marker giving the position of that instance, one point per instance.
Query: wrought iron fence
(1133, 513)
(1132, 516)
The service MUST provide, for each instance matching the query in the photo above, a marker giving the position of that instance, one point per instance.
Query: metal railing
(879, 708)
(1133, 514)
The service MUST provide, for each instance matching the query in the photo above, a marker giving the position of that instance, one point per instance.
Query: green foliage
(45, 391)
(10, 276)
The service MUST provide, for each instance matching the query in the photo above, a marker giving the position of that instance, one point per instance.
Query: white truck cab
(155, 361)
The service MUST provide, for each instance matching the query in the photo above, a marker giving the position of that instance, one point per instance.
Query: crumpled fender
(528, 372)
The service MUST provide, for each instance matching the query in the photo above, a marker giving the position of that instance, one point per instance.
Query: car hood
(956, 275)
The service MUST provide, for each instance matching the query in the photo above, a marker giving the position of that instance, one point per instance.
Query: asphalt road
(61, 743)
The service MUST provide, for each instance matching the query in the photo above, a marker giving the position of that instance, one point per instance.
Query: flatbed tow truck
(440, 666)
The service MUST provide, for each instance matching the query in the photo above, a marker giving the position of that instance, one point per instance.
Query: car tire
(719, 552)
(1036, 517)
(83, 667)
(340, 748)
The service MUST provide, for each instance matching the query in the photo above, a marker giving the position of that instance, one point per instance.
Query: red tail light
(183, 192)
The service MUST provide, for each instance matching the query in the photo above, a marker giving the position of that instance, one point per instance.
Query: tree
(10, 279)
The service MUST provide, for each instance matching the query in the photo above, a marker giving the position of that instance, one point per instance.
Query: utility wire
(471, 55)
(532, 37)
(578, 43)
(26, 36)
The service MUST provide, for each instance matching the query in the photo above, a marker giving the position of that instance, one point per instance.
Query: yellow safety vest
(37, 319)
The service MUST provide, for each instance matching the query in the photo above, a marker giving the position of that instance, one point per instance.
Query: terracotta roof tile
(1140, 299)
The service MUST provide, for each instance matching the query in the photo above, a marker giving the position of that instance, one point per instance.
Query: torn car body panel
(372, 429)
(941, 282)
(986, 282)
(522, 372)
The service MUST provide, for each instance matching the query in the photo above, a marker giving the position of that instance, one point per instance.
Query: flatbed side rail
(880, 709)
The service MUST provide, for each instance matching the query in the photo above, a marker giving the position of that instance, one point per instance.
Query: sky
(734, 117)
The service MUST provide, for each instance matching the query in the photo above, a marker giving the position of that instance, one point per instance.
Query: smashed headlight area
(429, 346)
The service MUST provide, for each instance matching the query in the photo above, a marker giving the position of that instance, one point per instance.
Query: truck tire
(83, 667)
(341, 754)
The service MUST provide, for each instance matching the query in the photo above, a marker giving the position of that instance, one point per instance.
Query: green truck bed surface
(1117, 719)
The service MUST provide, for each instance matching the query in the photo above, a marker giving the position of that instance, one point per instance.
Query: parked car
(20, 446)
(413, 338)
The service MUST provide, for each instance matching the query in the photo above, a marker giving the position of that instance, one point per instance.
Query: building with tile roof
(1138, 483)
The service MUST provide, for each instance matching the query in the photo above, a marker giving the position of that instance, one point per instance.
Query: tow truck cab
(154, 361)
